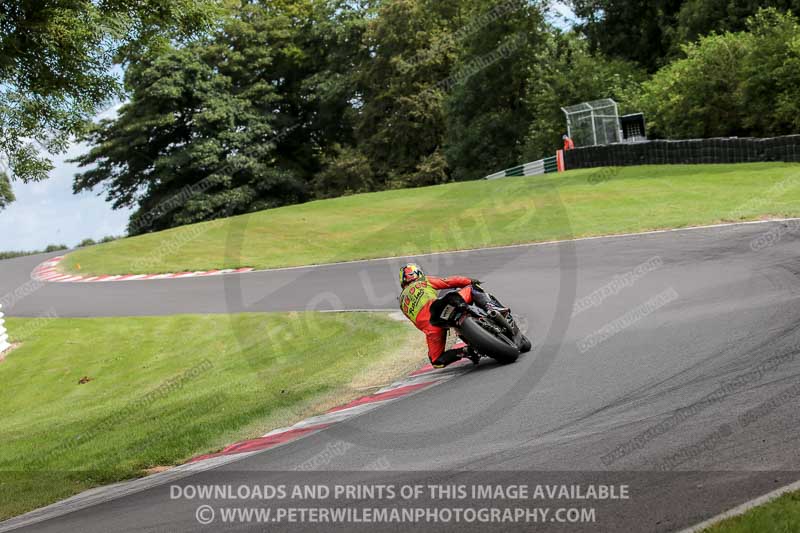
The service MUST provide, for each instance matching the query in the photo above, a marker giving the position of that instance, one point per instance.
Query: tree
(770, 87)
(56, 59)
(698, 96)
(701, 17)
(238, 121)
(565, 72)
(742, 83)
(652, 33)
(401, 121)
(338, 47)
(6, 194)
(641, 31)
(485, 105)
(348, 171)
(201, 135)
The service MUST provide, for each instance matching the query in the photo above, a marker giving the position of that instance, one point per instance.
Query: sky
(48, 213)
(562, 15)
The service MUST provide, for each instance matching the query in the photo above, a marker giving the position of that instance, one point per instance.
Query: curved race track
(719, 336)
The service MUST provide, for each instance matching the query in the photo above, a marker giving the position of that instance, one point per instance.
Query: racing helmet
(410, 273)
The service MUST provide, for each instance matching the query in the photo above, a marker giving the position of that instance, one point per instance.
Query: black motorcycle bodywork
(486, 331)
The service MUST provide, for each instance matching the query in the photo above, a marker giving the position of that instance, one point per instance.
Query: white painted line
(463, 251)
(60, 277)
(71, 278)
(112, 492)
(337, 416)
(186, 275)
(50, 276)
(427, 377)
(529, 244)
(397, 315)
(107, 493)
(741, 509)
(276, 431)
(344, 414)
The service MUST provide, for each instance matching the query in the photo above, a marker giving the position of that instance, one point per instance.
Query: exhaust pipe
(501, 321)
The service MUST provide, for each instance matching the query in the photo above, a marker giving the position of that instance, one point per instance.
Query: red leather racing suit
(416, 300)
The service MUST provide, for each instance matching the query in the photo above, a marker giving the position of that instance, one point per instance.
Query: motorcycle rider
(419, 291)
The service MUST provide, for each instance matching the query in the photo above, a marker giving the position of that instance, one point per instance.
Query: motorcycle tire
(524, 344)
(500, 348)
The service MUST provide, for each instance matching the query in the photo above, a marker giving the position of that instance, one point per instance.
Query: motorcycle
(487, 332)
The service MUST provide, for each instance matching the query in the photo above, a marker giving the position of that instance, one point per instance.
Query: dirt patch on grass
(157, 470)
(14, 346)
(406, 358)
(394, 363)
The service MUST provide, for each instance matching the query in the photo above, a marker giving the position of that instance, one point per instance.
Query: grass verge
(85, 402)
(460, 216)
(781, 515)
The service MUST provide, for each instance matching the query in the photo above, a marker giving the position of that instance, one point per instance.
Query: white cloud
(561, 16)
(48, 213)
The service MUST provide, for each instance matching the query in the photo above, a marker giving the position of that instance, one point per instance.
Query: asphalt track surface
(727, 327)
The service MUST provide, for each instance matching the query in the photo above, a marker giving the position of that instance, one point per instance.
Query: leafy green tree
(641, 31)
(6, 194)
(56, 59)
(239, 121)
(55, 248)
(564, 72)
(699, 96)
(200, 136)
(697, 18)
(770, 88)
(400, 121)
(347, 172)
(433, 169)
(743, 83)
(338, 47)
(652, 33)
(486, 115)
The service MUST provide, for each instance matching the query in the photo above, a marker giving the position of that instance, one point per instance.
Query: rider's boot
(483, 300)
(449, 357)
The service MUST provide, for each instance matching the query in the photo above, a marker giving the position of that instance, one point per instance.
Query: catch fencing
(4, 344)
(693, 151)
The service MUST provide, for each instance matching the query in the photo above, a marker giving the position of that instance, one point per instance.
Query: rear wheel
(497, 346)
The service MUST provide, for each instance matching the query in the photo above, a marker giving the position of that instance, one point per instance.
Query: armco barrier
(693, 151)
(534, 168)
(4, 344)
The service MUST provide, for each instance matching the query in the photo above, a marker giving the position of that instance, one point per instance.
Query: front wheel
(524, 344)
(498, 347)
